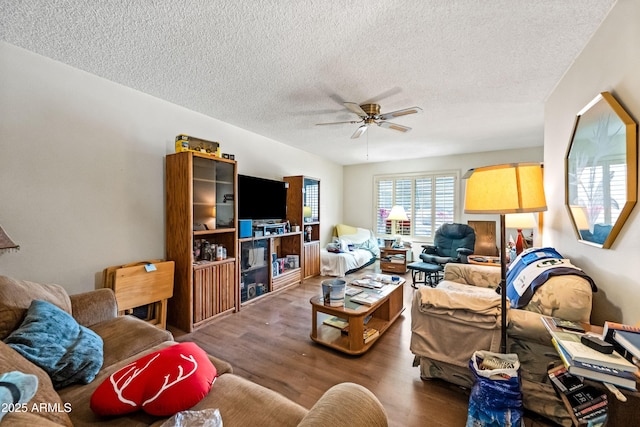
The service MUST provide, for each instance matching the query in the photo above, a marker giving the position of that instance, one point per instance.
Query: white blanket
(337, 264)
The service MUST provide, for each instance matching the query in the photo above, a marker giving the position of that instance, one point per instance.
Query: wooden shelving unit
(200, 207)
(303, 209)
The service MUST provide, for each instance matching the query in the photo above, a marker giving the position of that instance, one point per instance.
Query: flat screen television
(261, 198)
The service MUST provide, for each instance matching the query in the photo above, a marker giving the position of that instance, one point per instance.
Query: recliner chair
(452, 243)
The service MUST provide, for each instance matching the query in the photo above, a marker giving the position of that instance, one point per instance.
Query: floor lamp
(504, 189)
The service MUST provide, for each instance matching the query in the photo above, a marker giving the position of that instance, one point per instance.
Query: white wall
(359, 191)
(82, 169)
(609, 62)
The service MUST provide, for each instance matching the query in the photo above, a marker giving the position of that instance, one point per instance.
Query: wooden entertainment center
(215, 271)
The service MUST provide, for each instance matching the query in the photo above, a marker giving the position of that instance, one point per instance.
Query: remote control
(597, 344)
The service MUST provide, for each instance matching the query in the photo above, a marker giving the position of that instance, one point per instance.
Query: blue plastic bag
(496, 396)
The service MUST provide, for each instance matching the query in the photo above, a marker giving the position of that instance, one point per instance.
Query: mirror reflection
(601, 171)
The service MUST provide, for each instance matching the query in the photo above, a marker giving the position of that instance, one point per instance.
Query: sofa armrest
(93, 307)
(469, 274)
(346, 405)
(527, 325)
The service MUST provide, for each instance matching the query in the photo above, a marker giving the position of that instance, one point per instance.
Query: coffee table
(380, 315)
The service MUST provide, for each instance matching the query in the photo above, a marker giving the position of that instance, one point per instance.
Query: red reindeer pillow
(162, 383)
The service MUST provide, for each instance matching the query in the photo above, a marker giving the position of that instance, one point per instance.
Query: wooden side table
(399, 266)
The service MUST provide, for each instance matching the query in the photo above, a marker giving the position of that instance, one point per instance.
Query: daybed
(353, 248)
(125, 340)
(462, 314)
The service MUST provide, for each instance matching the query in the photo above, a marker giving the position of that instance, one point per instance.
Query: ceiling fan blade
(399, 113)
(338, 123)
(355, 108)
(362, 129)
(394, 126)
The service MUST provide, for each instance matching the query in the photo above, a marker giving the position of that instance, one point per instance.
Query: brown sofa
(126, 338)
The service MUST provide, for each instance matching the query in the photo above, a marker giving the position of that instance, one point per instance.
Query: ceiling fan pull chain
(367, 146)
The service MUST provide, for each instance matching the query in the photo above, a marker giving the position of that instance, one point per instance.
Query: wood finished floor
(268, 343)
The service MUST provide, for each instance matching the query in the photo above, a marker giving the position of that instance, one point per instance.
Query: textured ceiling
(480, 70)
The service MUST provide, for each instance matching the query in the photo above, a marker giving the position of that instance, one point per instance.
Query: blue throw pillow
(52, 339)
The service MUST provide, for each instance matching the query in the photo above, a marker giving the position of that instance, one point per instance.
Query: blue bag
(496, 396)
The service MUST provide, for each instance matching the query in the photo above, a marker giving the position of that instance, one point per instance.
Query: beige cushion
(243, 403)
(11, 360)
(16, 296)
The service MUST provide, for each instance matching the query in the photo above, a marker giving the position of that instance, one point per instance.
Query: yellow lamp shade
(505, 189)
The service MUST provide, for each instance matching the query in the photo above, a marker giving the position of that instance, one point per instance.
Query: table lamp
(519, 221)
(397, 214)
(505, 189)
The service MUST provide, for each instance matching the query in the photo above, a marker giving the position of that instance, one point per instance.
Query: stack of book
(586, 362)
(588, 404)
(625, 340)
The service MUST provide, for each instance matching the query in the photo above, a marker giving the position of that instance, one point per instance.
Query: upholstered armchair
(462, 314)
(451, 243)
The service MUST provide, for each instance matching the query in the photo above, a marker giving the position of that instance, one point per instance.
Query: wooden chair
(137, 285)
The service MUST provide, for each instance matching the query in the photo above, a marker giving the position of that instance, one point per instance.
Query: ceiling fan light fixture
(370, 114)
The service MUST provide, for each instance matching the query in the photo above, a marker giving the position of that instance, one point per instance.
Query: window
(428, 199)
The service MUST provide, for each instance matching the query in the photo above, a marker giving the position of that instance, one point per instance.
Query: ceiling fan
(370, 114)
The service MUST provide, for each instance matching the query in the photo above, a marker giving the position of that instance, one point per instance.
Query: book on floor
(589, 406)
(564, 381)
(585, 397)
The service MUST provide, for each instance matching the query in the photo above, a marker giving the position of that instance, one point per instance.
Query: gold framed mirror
(601, 171)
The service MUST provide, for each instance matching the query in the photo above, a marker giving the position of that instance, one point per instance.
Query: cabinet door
(213, 290)
(255, 265)
(311, 259)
